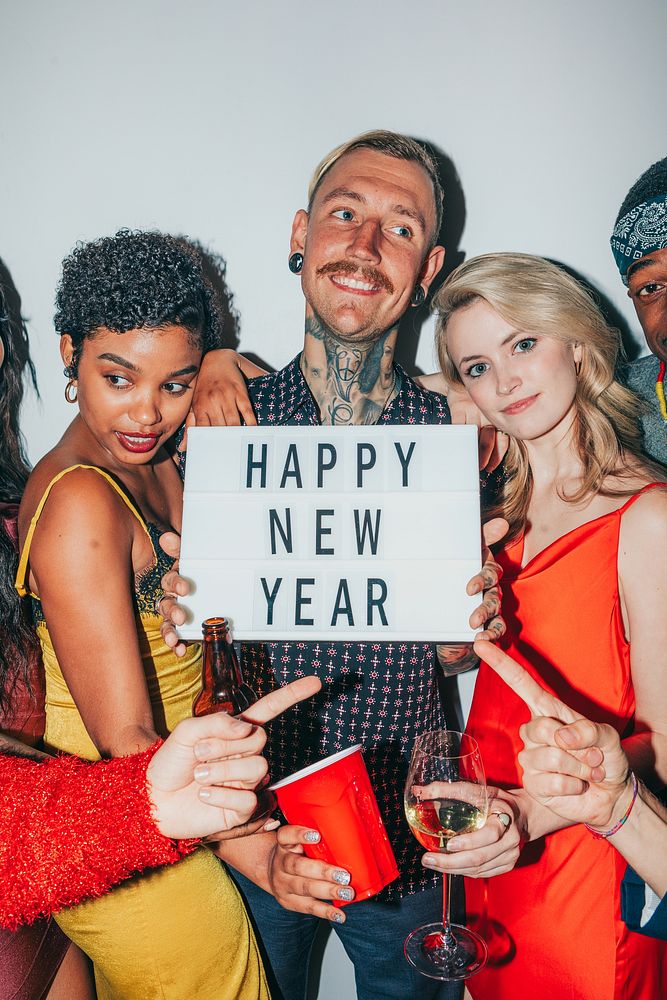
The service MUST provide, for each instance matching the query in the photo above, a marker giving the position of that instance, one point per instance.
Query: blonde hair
(401, 147)
(534, 295)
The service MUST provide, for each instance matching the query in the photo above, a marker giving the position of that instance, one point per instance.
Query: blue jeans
(372, 935)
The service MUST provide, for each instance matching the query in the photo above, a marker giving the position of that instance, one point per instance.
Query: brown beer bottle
(223, 687)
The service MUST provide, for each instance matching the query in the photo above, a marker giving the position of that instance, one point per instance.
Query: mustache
(371, 274)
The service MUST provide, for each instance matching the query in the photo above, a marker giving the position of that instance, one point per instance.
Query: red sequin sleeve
(71, 829)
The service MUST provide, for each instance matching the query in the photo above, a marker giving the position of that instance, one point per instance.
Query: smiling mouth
(138, 443)
(354, 284)
(520, 405)
(351, 277)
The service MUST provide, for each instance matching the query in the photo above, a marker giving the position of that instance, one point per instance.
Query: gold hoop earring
(71, 392)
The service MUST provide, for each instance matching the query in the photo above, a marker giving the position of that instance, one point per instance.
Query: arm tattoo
(455, 659)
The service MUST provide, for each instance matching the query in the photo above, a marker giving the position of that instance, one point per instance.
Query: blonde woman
(584, 600)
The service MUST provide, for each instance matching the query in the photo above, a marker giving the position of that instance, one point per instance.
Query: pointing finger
(539, 701)
(281, 699)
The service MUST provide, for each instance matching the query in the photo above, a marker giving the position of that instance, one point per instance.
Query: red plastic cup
(335, 797)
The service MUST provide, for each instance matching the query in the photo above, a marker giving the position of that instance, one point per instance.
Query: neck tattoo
(350, 384)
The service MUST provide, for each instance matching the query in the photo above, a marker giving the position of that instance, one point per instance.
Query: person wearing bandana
(639, 246)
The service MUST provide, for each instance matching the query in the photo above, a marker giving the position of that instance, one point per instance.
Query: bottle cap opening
(215, 623)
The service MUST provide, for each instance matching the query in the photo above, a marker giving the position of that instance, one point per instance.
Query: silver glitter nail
(342, 877)
(311, 837)
(338, 917)
(346, 894)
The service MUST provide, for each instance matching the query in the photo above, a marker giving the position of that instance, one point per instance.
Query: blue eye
(401, 231)
(346, 214)
(525, 345)
(476, 370)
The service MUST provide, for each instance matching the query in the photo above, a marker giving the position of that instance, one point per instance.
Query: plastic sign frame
(332, 533)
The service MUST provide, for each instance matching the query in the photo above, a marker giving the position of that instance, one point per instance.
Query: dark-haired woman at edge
(36, 961)
(135, 317)
(21, 694)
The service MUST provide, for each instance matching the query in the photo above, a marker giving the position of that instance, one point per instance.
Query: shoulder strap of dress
(638, 494)
(21, 572)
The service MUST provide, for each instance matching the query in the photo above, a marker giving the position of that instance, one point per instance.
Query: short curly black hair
(651, 184)
(132, 280)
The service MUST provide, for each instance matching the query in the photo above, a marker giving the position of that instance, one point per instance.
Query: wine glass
(445, 795)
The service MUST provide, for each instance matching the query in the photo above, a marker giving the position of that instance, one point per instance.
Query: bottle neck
(223, 688)
(220, 655)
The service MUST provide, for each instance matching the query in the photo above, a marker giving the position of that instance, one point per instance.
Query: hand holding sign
(486, 615)
(455, 658)
(575, 767)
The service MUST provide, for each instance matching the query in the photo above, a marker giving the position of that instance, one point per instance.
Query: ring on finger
(504, 818)
(159, 599)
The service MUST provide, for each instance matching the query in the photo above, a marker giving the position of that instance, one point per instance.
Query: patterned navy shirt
(379, 694)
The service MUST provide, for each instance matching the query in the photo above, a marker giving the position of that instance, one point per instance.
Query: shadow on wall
(612, 316)
(215, 270)
(451, 231)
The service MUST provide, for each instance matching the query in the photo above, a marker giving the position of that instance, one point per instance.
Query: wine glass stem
(448, 937)
(483, 928)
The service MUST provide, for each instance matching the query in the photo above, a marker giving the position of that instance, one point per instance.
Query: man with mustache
(365, 251)
(639, 246)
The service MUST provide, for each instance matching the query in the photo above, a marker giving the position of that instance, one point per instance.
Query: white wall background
(206, 118)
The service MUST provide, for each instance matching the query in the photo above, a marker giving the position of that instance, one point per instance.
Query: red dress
(559, 909)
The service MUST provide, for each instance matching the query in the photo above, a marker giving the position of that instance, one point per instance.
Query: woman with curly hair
(136, 316)
(584, 601)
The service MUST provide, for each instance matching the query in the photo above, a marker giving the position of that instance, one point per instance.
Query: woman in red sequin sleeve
(52, 810)
(71, 829)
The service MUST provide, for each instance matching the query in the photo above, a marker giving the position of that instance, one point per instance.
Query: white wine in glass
(445, 795)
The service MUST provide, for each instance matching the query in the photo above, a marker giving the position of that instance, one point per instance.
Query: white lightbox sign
(332, 533)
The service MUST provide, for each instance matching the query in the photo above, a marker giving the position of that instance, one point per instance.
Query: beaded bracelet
(617, 827)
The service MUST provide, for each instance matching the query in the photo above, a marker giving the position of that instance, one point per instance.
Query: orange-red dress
(555, 919)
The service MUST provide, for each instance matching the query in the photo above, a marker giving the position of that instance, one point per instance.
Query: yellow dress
(180, 932)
